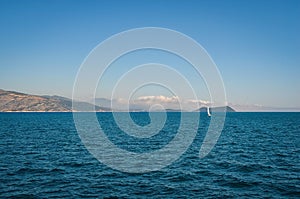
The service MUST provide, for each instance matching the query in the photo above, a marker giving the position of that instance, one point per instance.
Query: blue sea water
(256, 156)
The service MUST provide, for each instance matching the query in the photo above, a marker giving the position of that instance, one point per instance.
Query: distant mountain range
(11, 101)
(113, 104)
(104, 102)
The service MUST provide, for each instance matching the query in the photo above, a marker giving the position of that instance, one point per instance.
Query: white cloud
(201, 102)
(157, 99)
(173, 102)
(167, 102)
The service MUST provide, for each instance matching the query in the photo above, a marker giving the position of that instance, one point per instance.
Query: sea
(256, 156)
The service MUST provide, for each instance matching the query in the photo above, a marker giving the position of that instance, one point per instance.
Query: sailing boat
(208, 112)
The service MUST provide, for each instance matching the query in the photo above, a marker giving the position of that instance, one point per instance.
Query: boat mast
(208, 111)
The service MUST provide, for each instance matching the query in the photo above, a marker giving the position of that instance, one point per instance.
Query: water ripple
(257, 156)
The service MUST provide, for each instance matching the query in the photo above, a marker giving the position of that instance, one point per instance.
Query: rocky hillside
(11, 101)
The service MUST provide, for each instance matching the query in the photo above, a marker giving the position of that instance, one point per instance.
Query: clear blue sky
(255, 44)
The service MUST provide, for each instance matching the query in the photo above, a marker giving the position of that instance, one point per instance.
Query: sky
(255, 44)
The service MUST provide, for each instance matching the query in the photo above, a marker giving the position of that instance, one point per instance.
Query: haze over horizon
(254, 44)
(142, 103)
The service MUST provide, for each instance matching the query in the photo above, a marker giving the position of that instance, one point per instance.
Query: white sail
(208, 112)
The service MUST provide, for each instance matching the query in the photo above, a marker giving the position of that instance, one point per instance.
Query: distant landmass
(216, 109)
(11, 101)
